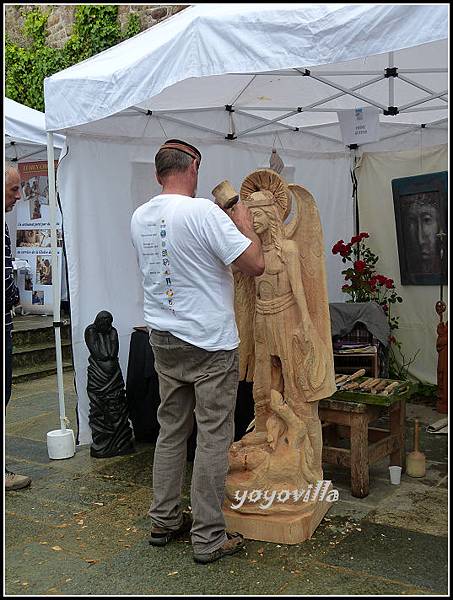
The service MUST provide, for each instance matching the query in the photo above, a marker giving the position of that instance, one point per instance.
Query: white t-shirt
(184, 247)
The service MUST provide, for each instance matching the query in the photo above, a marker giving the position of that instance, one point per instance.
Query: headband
(182, 147)
(260, 198)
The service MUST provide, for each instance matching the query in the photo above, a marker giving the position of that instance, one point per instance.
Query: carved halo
(266, 179)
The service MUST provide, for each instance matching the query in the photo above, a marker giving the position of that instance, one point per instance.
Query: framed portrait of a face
(420, 204)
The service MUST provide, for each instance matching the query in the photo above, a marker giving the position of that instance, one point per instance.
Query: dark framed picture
(420, 204)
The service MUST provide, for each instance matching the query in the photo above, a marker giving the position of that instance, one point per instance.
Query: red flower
(337, 246)
(381, 279)
(345, 249)
(389, 284)
(355, 239)
(364, 234)
(359, 266)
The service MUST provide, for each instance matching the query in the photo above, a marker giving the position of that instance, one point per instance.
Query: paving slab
(36, 569)
(321, 579)
(412, 558)
(147, 570)
(414, 507)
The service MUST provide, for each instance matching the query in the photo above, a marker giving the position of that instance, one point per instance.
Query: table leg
(360, 476)
(397, 418)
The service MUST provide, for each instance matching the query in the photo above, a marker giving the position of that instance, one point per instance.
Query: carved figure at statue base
(286, 348)
(108, 417)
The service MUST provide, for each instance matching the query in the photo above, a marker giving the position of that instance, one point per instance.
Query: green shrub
(96, 28)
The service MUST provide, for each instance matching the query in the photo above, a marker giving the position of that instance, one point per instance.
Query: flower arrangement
(363, 283)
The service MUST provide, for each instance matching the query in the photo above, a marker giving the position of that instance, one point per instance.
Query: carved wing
(244, 306)
(304, 227)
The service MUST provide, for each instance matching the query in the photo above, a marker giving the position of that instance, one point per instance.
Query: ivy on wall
(95, 29)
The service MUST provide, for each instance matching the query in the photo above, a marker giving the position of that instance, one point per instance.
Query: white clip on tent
(236, 80)
(26, 139)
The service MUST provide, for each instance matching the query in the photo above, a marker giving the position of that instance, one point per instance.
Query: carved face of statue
(260, 220)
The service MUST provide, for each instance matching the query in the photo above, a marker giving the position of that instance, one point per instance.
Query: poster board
(33, 240)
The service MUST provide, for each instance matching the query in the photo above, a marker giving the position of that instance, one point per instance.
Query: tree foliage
(96, 28)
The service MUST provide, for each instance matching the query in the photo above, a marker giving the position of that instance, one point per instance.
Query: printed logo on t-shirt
(169, 293)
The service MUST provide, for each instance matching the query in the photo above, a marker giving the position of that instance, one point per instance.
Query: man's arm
(251, 261)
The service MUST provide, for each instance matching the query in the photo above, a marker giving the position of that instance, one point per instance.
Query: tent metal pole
(433, 70)
(438, 122)
(55, 276)
(355, 199)
(391, 82)
(187, 124)
(270, 122)
(295, 73)
(262, 119)
(423, 100)
(31, 154)
(409, 110)
(347, 91)
(419, 86)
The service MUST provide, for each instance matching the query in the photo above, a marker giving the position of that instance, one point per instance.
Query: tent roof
(278, 67)
(26, 126)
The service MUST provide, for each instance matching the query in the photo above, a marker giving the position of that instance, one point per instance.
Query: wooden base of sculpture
(289, 528)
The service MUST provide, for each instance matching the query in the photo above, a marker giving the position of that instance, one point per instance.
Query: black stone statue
(110, 429)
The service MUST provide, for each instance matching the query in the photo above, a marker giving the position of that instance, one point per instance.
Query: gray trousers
(193, 381)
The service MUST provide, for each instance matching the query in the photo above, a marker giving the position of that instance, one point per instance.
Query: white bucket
(395, 475)
(60, 444)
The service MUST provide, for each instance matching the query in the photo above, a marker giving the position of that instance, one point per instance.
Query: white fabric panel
(101, 183)
(210, 40)
(27, 125)
(417, 316)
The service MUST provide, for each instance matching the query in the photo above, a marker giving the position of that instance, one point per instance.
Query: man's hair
(9, 167)
(169, 160)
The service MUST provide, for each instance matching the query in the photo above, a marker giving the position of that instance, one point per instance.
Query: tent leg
(60, 443)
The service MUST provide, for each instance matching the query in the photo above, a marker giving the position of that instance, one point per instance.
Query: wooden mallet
(225, 195)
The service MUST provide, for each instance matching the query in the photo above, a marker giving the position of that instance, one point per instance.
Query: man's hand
(242, 217)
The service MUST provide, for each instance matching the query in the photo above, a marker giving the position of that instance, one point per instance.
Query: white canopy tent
(237, 81)
(25, 139)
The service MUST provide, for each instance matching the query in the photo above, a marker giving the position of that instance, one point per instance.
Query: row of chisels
(370, 385)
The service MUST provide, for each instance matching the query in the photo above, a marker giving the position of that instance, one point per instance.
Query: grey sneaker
(16, 482)
(234, 543)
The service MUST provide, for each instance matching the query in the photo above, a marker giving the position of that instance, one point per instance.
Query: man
(185, 246)
(12, 195)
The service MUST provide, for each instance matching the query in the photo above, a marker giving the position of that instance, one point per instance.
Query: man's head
(12, 186)
(178, 162)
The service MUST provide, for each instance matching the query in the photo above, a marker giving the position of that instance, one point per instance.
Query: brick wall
(59, 25)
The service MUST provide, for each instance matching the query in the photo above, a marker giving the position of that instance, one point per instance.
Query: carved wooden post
(442, 360)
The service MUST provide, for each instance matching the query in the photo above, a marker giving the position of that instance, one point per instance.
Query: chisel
(390, 388)
(355, 375)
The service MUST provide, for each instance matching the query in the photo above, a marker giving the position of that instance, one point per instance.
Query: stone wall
(60, 22)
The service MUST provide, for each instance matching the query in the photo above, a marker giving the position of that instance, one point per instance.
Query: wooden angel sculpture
(286, 349)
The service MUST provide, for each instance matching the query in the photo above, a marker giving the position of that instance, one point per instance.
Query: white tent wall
(100, 185)
(417, 316)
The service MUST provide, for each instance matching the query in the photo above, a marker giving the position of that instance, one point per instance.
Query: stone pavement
(82, 526)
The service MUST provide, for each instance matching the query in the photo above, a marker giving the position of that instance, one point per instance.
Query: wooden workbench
(346, 415)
